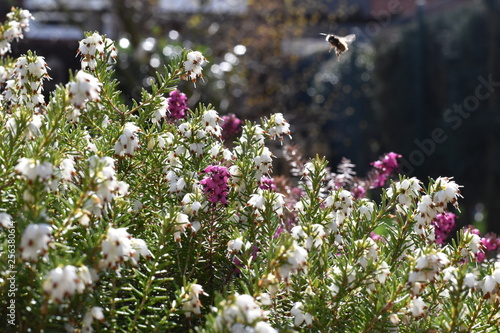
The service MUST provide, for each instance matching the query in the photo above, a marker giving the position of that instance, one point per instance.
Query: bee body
(340, 44)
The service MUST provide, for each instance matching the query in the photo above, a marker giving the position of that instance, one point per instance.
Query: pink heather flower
(215, 185)
(385, 166)
(358, 191)
(177, 105)
(489, 243)
(443, 226)
(231, 126)
(376, 237)
(473, 230)
(267, 184)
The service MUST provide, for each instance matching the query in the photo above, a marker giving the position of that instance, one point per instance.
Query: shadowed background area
(422, 78)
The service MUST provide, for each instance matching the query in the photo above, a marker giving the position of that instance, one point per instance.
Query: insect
(340, 44)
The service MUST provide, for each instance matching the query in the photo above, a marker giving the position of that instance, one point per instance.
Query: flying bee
(340, 44)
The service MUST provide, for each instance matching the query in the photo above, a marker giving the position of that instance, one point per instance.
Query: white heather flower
(17, 21)
(296, 257)
(489, 285)
(254, 134)
(417, 307)
(450, 274)
(212, 122)
(263, 163)
(383, 272)
(6, 220)
(108, 187)
(472, 244)
(496, 273)
(193, 65)
(264, 327)
(35, 241)
(366, 209)
(234, 245)
(27, 81)
(265, 299)
(128, 141)
(119, 246)
(445, 191)
(140, 250)
(191, 301)
(181, 223)
(94, 313)
(237, 178)
(90, 48)
(369, 249)
(299, 315)
(427, 266)
(407, 191)
(67, 167)
(425, 213)
(161, 111)
(85, 88)
(63, 282)
(470, 280)
(257, 201)
(242, 314)
(4, 74)
(279, 127)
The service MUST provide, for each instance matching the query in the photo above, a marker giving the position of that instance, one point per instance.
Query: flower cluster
(385, 167)
(443, 192)
(278, 127)
(215, 184)
(35, 241)
(119, 246)
(299, 316)
(108, 187)
(491, 284)
(193, 66)
(295, 260)
(231, 127)
(177, 105)
(96, 47)
(95, 313)
(443, 226)
(26, 85)
(32, 169)
(191, 303)
(427, 266)
(242, 314)
(267, 183)
(128, 142)
(212, 122)
(66, 281)
(17, 22)
(85, 88)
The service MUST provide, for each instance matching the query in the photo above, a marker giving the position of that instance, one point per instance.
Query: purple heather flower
(376, 237)
(177, 105)
(385, 166)
(215, 184)
(358, 191)
(489, 243)
(443, 226)
(231, 126)
(267, 184)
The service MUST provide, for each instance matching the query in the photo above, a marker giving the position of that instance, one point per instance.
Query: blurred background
(422, 78)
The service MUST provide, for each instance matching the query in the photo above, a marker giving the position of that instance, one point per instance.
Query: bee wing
(349, 38)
